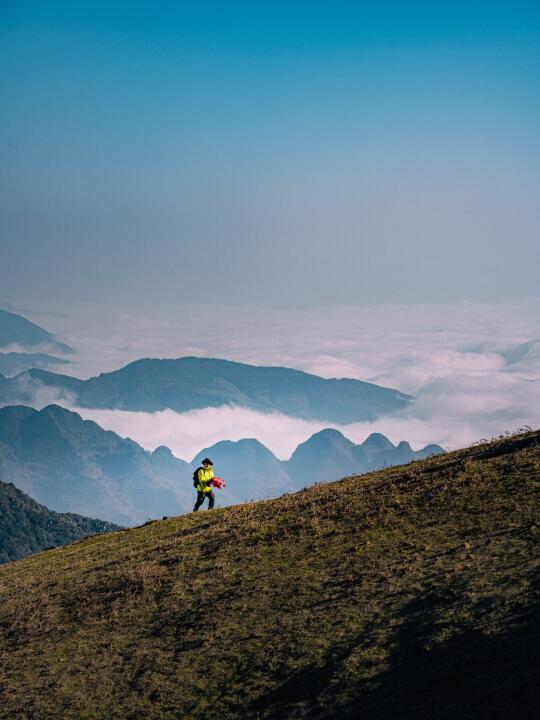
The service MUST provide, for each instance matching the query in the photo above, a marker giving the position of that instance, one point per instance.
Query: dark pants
(200, 499)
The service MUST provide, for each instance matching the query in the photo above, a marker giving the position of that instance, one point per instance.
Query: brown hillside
(407, 593)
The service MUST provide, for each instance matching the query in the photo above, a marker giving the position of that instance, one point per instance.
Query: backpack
(195, 477)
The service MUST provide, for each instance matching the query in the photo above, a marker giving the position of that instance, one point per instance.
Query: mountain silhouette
(74, 465)
(192, 383)
(251, 470)
(13, 363)
(28, 527)
(31, 386)
(328, 455)
(17, 330)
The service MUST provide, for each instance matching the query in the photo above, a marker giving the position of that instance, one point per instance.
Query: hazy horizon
(458, 361)
(297, 154)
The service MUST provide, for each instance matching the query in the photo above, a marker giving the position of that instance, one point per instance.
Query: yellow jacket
(204, 476)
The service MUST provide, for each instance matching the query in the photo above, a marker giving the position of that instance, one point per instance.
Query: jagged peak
(163, 451)
(377, 441)
(404, 445)
(325, 433)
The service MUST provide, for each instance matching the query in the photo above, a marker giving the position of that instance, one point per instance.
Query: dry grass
(410, 592)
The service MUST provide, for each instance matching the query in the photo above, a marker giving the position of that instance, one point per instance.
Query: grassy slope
(407, 593)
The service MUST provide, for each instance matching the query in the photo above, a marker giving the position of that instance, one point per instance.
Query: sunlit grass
(378, 596)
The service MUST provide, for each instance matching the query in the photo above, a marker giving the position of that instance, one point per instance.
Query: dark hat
(207, 460)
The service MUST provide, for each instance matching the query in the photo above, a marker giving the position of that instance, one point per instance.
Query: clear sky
(270, 152)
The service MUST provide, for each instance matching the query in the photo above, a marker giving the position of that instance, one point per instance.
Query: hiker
(203, 482)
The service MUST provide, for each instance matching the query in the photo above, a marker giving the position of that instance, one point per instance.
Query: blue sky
(282, 153)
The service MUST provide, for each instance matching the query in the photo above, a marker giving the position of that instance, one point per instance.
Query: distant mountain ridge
(191, 383)
(17, 330)
(325, 456)
(13, 363)
(27, 527)
(30, 386)
(74, 465)
(250, 470)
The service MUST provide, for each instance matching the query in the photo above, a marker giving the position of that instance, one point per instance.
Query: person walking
(203, 485)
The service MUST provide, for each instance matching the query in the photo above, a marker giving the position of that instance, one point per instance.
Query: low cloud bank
(453, 413)
(474, 369)
(188, 433)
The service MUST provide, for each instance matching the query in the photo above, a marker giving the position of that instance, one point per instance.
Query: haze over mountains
(13, 363)
(17, 330)
(329, 454)
(473, 370)
(73, 465)
(191, 383)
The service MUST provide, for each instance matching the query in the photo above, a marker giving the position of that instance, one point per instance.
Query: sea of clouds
(473, 369)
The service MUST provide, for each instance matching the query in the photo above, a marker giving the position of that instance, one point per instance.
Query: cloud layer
(474, 369)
